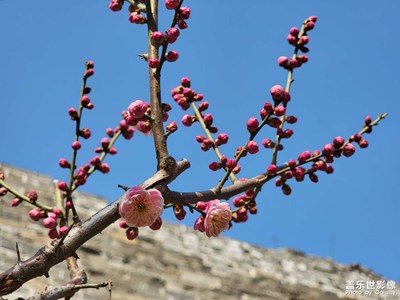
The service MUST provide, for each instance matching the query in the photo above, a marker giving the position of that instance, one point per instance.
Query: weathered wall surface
(172, 263)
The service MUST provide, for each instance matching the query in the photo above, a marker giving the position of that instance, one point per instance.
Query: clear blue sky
(229, 51)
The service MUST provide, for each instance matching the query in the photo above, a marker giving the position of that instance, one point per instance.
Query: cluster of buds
(50, 221)
(183, 95)
(321, 159)
(229, 164)
(298, 38)
(138, 116)
(182, 14)
(245, 204)
(134, 9)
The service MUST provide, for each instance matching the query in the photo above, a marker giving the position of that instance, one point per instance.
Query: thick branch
(157, 128)
(207, 195)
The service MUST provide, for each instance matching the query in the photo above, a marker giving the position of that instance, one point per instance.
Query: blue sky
(229, 51)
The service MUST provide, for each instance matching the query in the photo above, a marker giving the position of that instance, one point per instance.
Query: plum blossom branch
(200, 119)
(160, 142)
(298, 39)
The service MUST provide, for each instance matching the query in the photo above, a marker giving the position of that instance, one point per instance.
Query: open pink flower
(140, 207)
(218, 216)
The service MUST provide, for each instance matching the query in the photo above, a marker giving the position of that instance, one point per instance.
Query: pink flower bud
(279, 94)
(88, 73)
(267, 143)
(271, 170)
(214, 166)
(286, 189)
(182, 24)
(279, 110)
(363, 144)
(171, 127)
(222, 139)
(116, 5)
(171, 4)
(252, 124)
(338, 142)
(62, 186)
(208, 119)
(294, 31)
(304, 156)
(231, 164)
(63, 230)
(328, 149)
(172, 56)
(185, 81)
(309, 26)
(200, 138)
(105, 142)
(283, 61)
(136, 18)
(63, 163)
(329, 169)
(179, 212)
(110, 132)
(238, 202)
(303, 40)
(173, 34)
(49, 223)
(236, 170)
(76, 145)
(104, 168)
(53, 234)
(291, 39)
(292, 164)
(122, 224)
(252, 147)
(367, 120)
(302, 58)
(153, 62)
(184, 12)
(73, 113)
(35, 214)
(348, 150)
(138, 109)
(113, 151)
(158, 37)
(157, 224)
(313, 19)
(293, 63)
(187, 120)
(201, 205)
(274, 122)
(144, 127)
(291, 119)
(203, 106)
(85, 100)
(132, 233)
(85, 133)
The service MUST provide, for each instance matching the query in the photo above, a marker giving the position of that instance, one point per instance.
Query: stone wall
(172, 263)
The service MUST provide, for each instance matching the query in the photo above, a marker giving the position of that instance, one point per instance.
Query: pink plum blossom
(140, 207)
(218, 216)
